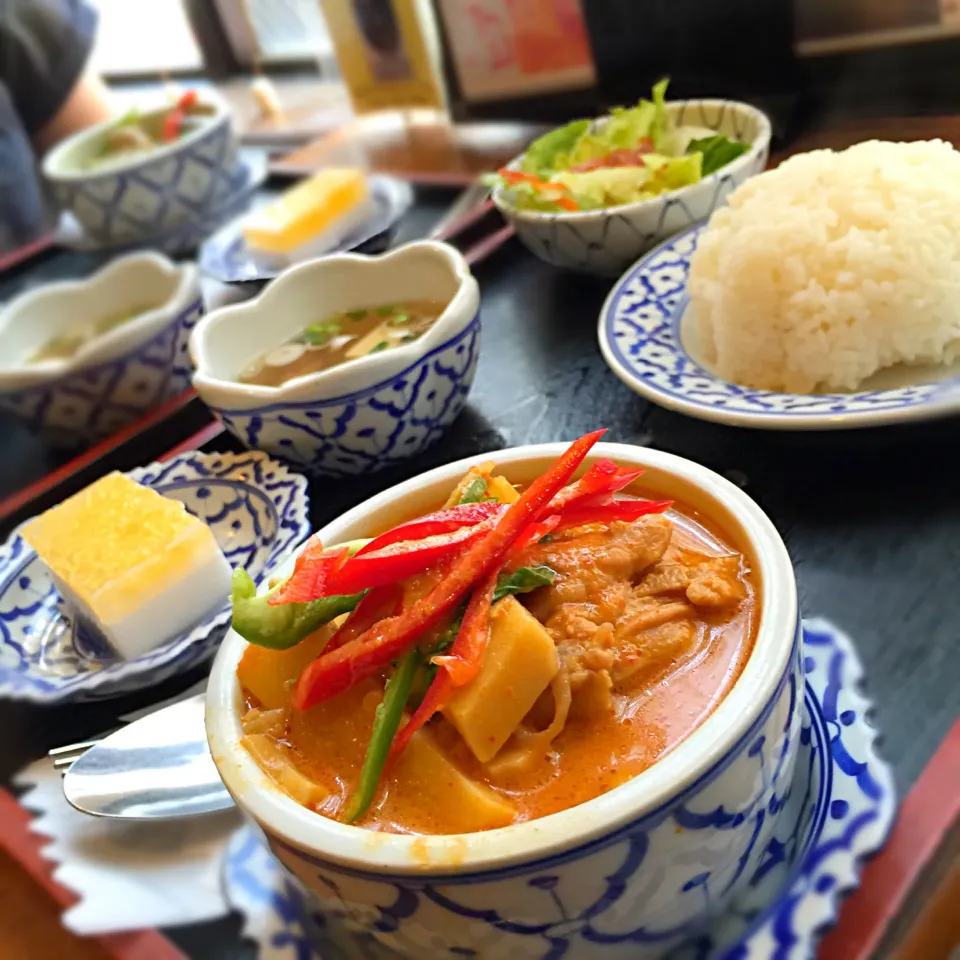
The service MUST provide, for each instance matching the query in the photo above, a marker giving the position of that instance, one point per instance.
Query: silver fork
(64, 757)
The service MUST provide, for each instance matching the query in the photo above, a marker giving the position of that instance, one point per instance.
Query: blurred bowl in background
(117, 376)
(134, 197)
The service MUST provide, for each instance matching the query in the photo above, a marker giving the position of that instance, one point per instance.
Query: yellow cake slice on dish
(311, 218)
(134, 564)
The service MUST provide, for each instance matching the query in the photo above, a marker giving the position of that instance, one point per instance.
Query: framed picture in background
(516, 59)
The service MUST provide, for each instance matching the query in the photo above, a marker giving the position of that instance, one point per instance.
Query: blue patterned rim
(225, 256)
(838, 811)
(639, 334)
(256, 508)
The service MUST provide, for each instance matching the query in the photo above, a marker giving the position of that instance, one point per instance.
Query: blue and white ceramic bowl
(134, 198)
(647, 344)
(248, 174)
(257, 510)
(628, 874)
(118, 376)
(360, 416)
(838, 810)
(607, 241)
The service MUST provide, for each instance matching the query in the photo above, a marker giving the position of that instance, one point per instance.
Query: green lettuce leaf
(612, 186)
(717, 151)
(541, 155)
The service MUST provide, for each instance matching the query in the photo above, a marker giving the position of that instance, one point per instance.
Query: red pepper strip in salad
(627, 510)
(312, 574)
(398, 561)
(380, 602)
(443, 521)
(539, 185)
(340, 669)
(458, 668)
(188, 100)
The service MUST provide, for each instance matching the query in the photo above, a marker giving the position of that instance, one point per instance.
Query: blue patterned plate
(225, 256)
(839, 810)
(641, 337)
(249, 174)
(257, 510)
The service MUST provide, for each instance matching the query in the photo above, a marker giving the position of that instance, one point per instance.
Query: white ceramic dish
(607, 241)
(630, 881)
(837, 813)
(363, 415)
(116, 377)
(647, 343)
(145, 194)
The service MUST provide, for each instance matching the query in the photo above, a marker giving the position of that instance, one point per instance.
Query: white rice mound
(831, 267)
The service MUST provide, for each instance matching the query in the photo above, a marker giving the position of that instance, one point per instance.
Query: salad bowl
(359, 416)
(607, 240)
(117, 376)
(628, 874)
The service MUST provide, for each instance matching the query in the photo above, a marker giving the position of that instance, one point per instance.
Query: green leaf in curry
(523, 580)
(476, 490)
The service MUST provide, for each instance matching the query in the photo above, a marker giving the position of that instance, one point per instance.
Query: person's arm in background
(44, 49)
(88, 103)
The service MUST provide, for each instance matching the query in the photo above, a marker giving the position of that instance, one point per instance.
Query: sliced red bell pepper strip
(360, 658)
(627, 510)
(312, 573)
(443, 521)
(534, 533)
(172, 124)
(561, 190)
(458, 668)
(603, 477)
(188, 99)
(377, 604)
(398, 561)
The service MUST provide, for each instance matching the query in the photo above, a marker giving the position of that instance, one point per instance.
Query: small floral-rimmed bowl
(257, 510)
(637, 869)
(608, 240)
(118, 376)
(363, 415)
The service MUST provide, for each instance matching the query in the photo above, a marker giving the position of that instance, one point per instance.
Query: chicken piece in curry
(603, 634)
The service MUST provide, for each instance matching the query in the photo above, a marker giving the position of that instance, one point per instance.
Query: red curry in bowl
(507, 656)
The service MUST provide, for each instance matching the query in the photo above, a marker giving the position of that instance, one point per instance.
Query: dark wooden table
(871, 519)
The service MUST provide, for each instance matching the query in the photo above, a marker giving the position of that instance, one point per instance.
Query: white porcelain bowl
(120, 375)
(607, 241)
(363, 415)
(139, 197)
(625, 875)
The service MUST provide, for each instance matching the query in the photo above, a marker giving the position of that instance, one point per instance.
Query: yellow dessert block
(134, 563)
(306, 211)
